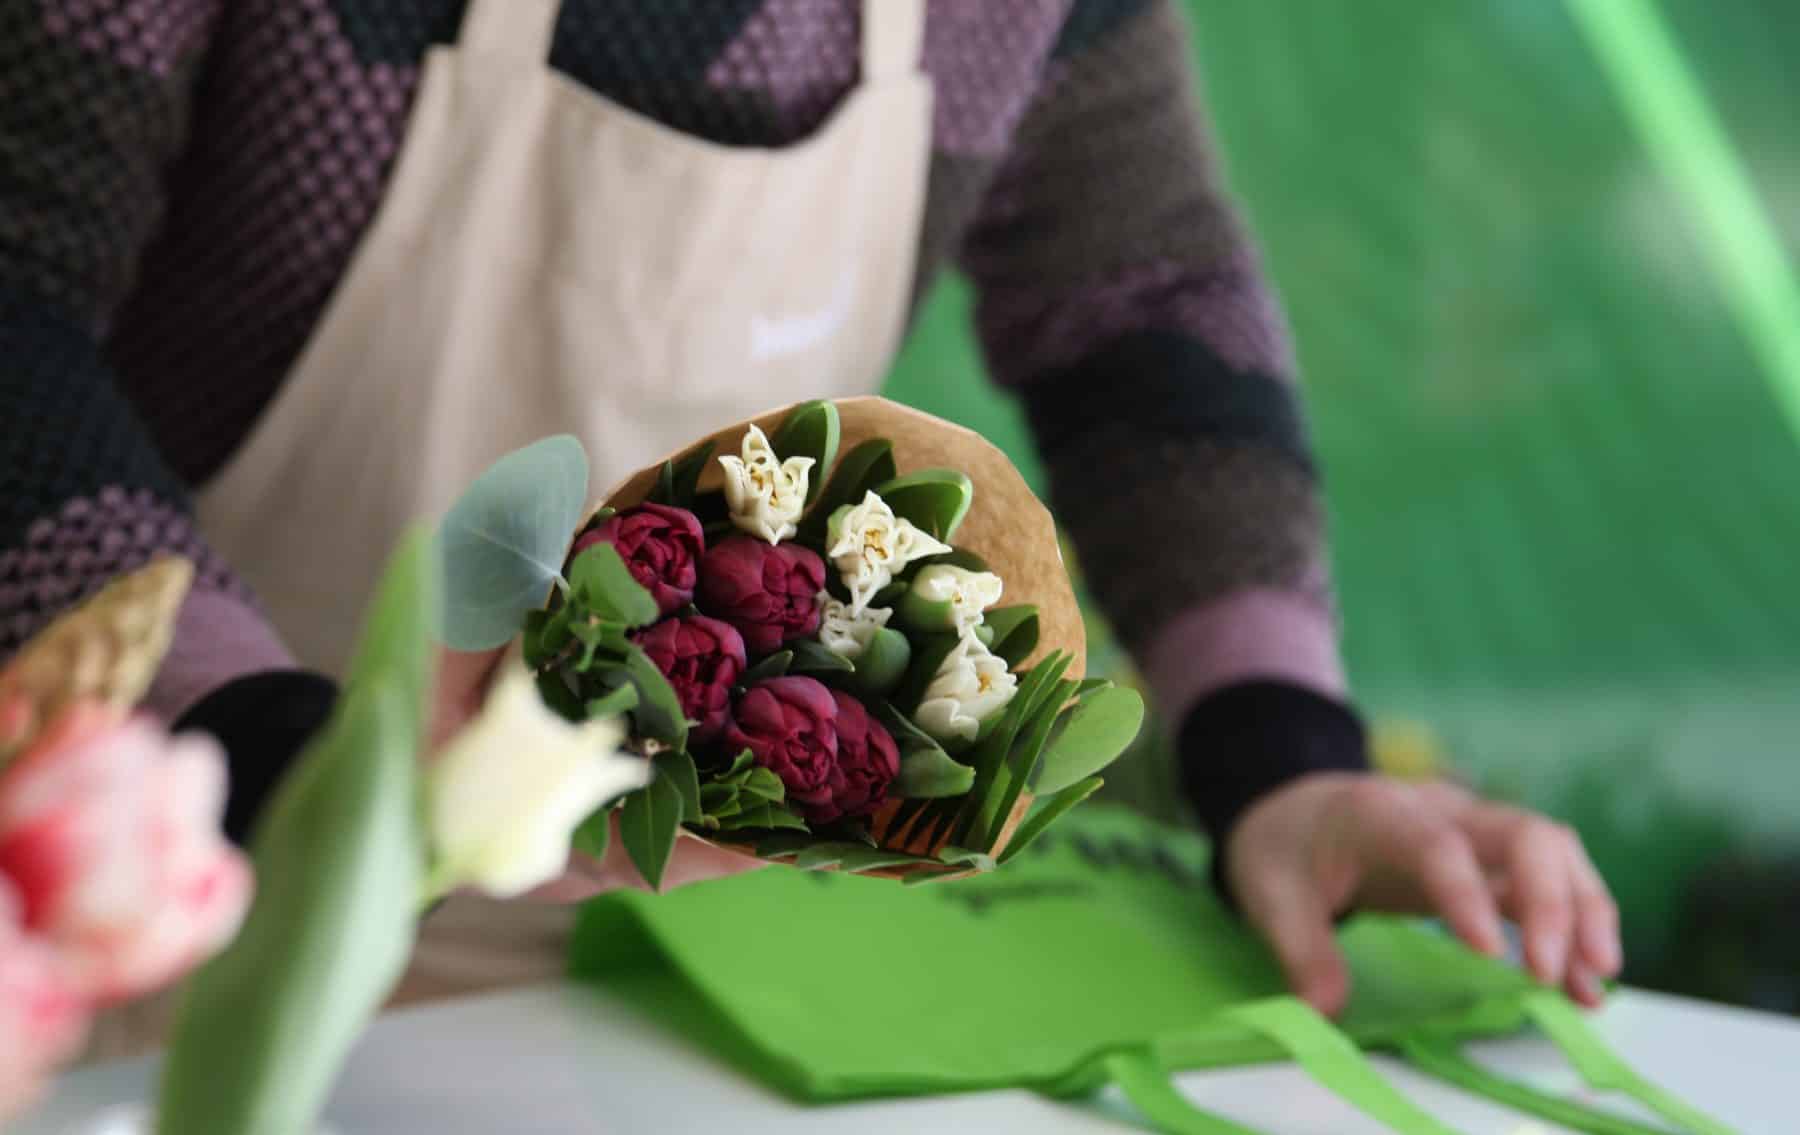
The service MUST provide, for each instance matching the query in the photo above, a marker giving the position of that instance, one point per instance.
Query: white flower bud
(847, 633)
(971, 686)
(766, 495)
(869, 545)
(965, 593)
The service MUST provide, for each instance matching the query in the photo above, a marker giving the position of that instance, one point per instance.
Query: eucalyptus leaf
(1015, 632)
(606, 587)
(594, 833)
(658, 713)
(1047, 811)
(340, 860)
(648, 821)
(774, 666)
(620, 699)
(864, 467)
(1090, 737)
(814, 658)
(677, 767)
(811, 429)
(935, 500)
(502, 543)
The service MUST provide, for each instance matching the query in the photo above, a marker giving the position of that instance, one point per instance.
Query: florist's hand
(1332, 841)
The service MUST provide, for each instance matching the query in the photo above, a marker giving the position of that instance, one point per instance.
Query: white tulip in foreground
(971, 686)
(507, 793)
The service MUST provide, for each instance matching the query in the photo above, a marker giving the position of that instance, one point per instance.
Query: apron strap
(893, 31)
(513, 29)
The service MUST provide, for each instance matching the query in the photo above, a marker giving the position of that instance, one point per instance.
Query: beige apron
(547, 262)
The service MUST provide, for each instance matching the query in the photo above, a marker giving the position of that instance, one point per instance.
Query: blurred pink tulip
(42, 1019)
(109, 835)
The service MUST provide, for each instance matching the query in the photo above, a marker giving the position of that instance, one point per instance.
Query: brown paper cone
(108, 649)
(1007, 526)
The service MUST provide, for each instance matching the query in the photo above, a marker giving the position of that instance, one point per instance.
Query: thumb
(1292, 913)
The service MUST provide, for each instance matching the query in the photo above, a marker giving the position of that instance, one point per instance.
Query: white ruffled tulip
(869, 545)
(766, 494)
(507, 793)
(971, 686)
(847, 633)
(969, 593)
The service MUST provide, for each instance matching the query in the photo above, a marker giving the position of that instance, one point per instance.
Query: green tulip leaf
(864, 467)
(811, 429)
(774, 666)
(813, 658)
(1015, 632)
(929, 773)
(604, 586)
(502, 543)
(678, 767)
(340, 862)
(955, 557)
(962, 857)
(1090, 737)
(648, 821)
(882, 663)
(928, 654)
(658, 714)
(935, 500)
(1046, 811)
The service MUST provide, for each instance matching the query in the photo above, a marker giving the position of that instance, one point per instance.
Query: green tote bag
(1097, 956)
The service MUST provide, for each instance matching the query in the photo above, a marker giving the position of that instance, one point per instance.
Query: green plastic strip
(1677, 124)
(1444, 1059)
(1605, 1072)
(1335, 1062)
(1146, 1084)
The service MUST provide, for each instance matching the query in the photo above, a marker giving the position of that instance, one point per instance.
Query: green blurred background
(1564, 498)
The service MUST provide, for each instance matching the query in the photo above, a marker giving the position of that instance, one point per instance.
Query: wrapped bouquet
(842, 633)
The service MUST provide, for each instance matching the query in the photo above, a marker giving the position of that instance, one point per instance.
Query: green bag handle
(1604, 1071)
(1324, 1053)
(1441, 1057)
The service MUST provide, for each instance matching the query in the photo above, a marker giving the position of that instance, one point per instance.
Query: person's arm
(1120, 296)
(93, 111)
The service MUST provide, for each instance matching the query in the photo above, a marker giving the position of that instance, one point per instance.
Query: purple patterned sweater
(182, 182)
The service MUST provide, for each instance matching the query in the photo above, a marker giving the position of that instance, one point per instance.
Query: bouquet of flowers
(841, 632)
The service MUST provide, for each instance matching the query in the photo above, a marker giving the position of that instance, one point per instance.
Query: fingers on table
(1398, 832)
(1290, 911)
(1569, 921)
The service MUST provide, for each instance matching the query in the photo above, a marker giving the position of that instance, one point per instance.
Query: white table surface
(567, 1058)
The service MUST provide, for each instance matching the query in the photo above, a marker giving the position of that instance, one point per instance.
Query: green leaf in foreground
(502, 543)
(648, 823)
(1090, 737)
(264, 1027)
(607, 589)
(658, 713)
(811, 429)
(1047, 811)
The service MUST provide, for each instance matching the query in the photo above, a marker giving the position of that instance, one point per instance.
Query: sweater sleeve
(94, 102)
(1120, 296)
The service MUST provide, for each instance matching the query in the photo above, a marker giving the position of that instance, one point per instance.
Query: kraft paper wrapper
(1007, 526)
(106, 650)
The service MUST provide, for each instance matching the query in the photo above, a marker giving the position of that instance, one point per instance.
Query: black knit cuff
(263, 720)
(1244, 741)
